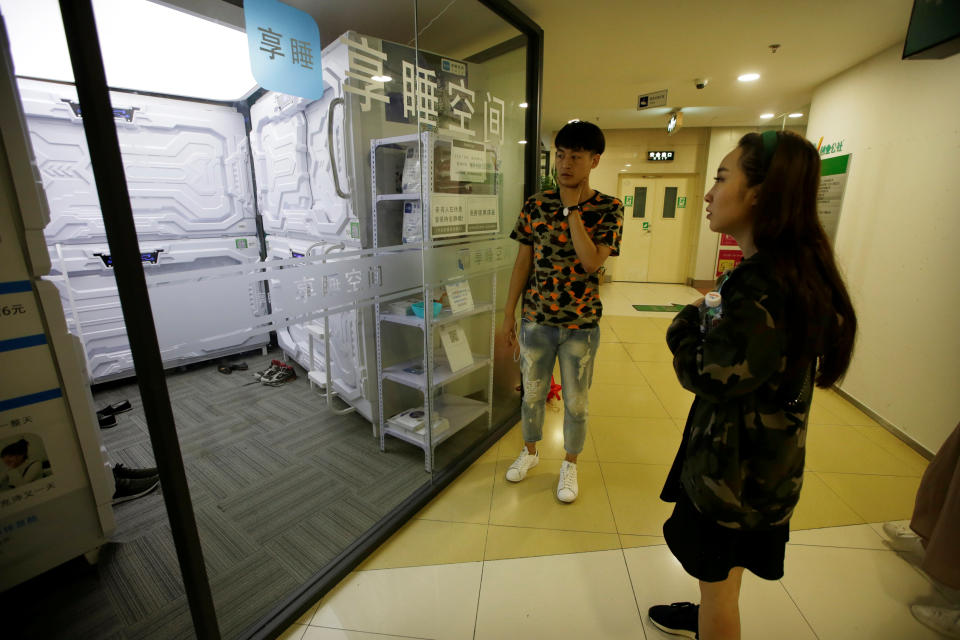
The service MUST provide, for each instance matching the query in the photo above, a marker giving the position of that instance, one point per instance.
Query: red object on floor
(554, 390)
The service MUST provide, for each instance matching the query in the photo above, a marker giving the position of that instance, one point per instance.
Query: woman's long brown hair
(822, 324)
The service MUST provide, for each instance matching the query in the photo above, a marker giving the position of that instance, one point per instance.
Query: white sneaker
(524, 462)
(567, 488)
(942, 619)
(902, 538)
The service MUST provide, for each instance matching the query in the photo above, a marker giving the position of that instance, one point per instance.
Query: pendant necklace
(566, 210)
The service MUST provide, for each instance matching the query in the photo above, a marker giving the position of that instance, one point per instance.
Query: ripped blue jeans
(540, 346)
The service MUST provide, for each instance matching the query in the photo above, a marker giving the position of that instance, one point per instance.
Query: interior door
(638, 196)
(655, 246)
(669, 246)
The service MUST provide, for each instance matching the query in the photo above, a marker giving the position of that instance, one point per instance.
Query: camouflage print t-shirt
(560, 292)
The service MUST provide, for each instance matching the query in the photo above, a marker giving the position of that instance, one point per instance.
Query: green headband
(770, 140)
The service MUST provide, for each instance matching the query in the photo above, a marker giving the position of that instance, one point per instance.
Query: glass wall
(322, 221)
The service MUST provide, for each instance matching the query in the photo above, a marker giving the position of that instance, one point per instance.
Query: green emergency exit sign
(682, 203)
(629, 201)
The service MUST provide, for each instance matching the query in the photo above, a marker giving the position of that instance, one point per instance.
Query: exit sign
(659, 156)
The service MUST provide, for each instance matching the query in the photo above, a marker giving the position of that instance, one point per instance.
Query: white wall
(897, 242)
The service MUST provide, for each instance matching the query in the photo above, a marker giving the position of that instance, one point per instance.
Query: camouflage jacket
(741, 458)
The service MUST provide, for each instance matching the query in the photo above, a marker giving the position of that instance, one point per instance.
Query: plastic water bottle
(710, 312)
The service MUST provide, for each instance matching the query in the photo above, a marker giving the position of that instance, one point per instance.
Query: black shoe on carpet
(107, 421)
(284, 373)
(275, 366)
(113, 409)
(120, 471)
(130, 488)
(679, 618)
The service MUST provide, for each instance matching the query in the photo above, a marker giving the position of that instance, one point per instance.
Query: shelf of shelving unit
(441, 372)
(458, 411)
(397, 196)
(445, 317)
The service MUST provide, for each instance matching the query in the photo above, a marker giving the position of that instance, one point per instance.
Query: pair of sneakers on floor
(567, 488)
(276, 374)
(681, 618)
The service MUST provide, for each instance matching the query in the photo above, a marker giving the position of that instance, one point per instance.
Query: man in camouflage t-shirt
(565, 236)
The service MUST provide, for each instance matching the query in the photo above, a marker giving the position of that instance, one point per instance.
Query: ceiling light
(381, 78)
(522, 141)
(622, 170)
(214, 66)
(523, 105)
(628, 165)
(766, 116)
(748, 77)
(675, 122)
(796, 115)
(574, 120)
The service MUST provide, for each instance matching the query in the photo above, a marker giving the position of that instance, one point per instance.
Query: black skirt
(708, 550)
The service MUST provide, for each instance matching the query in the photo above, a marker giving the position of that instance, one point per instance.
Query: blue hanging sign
(284, 47)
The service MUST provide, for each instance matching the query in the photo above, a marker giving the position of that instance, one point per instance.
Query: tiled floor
(488, 559)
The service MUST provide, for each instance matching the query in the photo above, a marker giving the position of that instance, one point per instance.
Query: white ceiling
(600, 55)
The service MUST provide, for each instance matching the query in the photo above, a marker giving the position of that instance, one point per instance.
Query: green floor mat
(667, 308)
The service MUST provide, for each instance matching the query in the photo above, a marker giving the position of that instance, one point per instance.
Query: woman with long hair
(784, 323)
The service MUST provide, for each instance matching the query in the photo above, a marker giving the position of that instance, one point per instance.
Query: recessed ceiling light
(622, 170)
(523, 105)
(381, 78)
(766, 116)
(796, 115)
(574, 120)
(628, 165)
(748, 77)
(522, 141)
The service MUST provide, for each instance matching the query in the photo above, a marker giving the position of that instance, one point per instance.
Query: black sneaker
(106, 421)
(679, 618)
(120, 471)
(283, 374)
(275, 366)
(113, 409)
(130, 488)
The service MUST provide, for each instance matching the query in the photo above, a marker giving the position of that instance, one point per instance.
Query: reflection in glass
(323, 276)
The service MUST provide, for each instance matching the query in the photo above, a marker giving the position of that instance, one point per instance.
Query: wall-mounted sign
(284, 44)
(833, 184)
(629, 201)
(659, 156)
(682, 202)
(833, 147)
(655, 99)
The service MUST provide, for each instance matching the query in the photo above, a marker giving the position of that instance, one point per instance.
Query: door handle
(333, 157)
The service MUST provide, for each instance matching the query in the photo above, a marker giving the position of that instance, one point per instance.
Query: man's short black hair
(581, 136)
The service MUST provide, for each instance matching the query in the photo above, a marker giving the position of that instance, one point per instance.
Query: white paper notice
(467, 162)
(455, 345)
(447, 215)
(483, 214)
(830, 202)
(461, 298)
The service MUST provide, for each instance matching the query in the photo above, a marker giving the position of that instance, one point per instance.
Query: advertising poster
(728, 259)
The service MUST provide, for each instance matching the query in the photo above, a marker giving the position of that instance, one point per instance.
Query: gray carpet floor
(280, 486)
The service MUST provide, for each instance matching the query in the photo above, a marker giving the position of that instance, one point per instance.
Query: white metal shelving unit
(421, 373)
